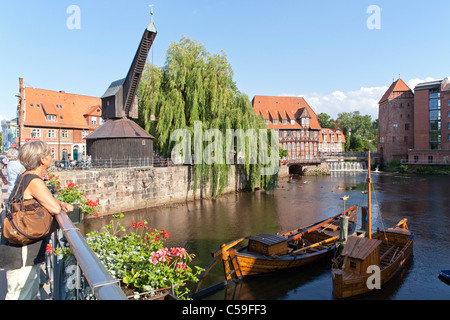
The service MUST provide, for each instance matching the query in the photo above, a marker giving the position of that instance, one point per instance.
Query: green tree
(195, 85)
(324, 120)
(363, 131)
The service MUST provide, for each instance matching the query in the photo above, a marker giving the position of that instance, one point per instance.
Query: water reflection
(202, 226)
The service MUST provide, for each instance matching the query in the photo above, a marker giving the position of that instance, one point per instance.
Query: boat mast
(369, 200)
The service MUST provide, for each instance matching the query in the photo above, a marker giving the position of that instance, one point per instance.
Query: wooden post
(226, 263)
(236, 267)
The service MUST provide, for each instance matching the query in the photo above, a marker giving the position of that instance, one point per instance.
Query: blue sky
(322, 50)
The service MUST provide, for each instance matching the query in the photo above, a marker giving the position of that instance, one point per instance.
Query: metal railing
(113, 163)
(76, 273)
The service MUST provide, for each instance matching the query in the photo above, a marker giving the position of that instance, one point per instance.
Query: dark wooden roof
(359, 248)
(113, 88)
(120, 128)
(268, 238)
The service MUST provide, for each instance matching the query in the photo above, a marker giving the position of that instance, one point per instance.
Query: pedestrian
(23, 262)
(14, 168)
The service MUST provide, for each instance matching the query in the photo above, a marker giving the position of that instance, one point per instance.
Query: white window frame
(50, 117)
(35, 133)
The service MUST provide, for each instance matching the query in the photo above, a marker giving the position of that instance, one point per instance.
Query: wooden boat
(369, 262)
(267, 252)
(444, 275)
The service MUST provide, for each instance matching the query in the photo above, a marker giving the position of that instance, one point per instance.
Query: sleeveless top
(11, 254)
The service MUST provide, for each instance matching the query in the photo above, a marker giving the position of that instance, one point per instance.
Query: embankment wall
(127, 189)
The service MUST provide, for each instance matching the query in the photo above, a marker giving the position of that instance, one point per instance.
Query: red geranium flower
(49, 249)
(71, 185)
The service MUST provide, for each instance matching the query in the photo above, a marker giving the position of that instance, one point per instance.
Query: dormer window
(50, 117)
(305, 122)
(284, 121)
(275, 121)
(292, 122)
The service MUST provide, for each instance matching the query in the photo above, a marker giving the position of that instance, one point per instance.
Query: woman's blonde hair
(31, 153)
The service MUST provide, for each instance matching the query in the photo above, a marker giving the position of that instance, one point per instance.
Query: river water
(202, 226)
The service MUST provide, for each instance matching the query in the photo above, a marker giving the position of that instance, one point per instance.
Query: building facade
(396, 122)
(61, 119)
(414, 127)
(331, 141)
(431, 123)
(298, 128)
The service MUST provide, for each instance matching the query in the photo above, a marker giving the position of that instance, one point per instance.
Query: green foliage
(140, 259)
(364, 131)
(325, 121)
(73, 195)
(283, 153)
(195, 85)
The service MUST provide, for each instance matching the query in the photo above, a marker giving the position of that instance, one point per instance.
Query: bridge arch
(295, 168)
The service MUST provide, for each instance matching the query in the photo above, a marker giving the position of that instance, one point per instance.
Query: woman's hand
(66, 207)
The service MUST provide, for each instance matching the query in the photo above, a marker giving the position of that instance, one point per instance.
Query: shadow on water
(274, 286)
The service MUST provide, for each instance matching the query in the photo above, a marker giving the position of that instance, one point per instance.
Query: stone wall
(320, 170)
(127, 189)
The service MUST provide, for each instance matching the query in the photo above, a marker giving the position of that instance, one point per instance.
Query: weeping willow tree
(195, 87)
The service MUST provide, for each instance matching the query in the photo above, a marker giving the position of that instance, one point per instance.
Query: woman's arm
(39, 191)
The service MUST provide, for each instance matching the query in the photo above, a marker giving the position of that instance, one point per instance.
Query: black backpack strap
(20, 186)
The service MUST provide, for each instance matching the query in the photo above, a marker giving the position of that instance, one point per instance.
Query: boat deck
(387, 253)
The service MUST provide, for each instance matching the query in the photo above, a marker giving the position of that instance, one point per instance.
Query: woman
(14, 168)
(23, 262)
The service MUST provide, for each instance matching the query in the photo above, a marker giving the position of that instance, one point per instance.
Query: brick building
(298, 128)
(331, 141)
(396, 122)
(431, 123)
(61, 119)
(415, 126)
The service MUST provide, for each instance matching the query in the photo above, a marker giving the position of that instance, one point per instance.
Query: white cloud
(365, 100)
(414, 82)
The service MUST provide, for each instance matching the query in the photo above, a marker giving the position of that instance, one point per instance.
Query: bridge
(334, 162)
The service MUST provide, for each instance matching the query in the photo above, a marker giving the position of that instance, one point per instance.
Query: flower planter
(75, 215)
(161, 294)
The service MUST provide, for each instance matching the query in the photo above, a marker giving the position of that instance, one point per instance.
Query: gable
(69, 109)
(285, 108)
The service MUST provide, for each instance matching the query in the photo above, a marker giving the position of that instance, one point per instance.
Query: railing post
(88, 266)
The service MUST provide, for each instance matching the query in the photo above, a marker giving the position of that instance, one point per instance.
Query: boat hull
(251, 264)
(444, 275)
(346, 285)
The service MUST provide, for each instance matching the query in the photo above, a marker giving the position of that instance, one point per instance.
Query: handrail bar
(103, 285)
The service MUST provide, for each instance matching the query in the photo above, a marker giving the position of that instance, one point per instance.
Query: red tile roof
(284, 108)
(69, 109)
(397, 86)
